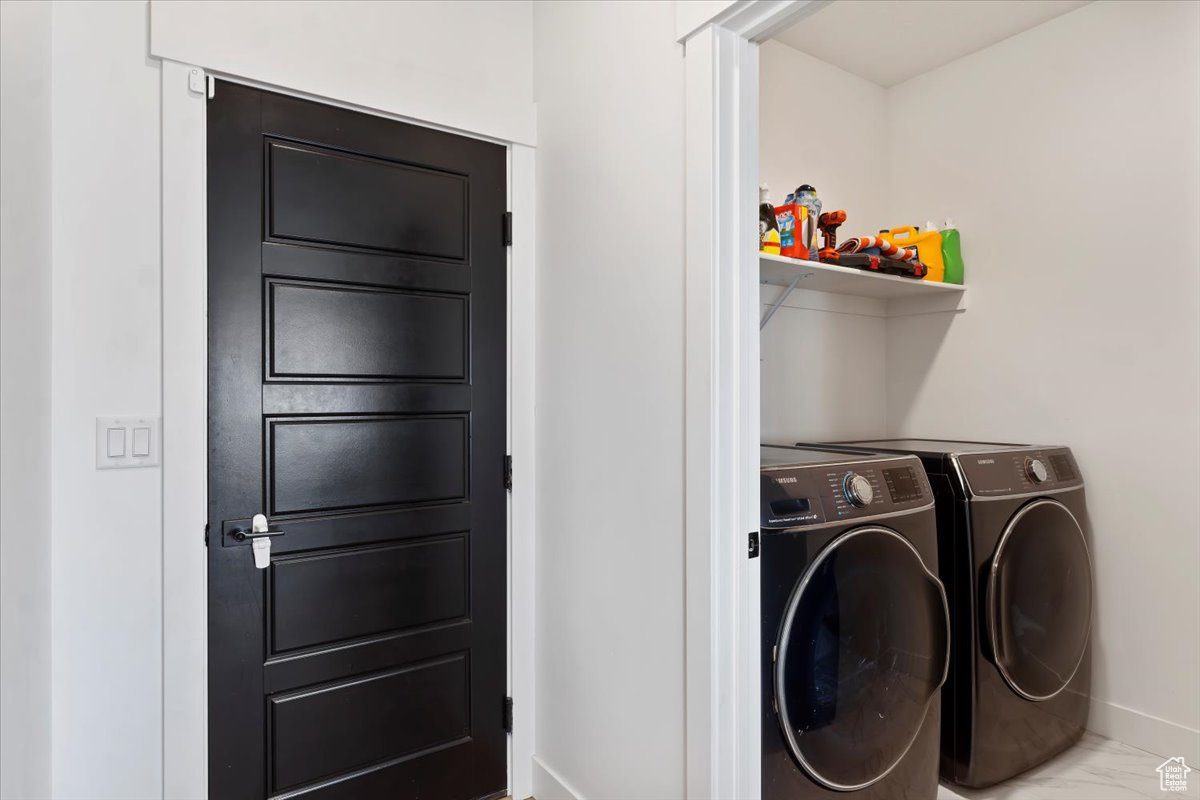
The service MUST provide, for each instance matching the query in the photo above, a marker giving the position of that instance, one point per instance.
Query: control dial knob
(857, 489)
(1036, 470)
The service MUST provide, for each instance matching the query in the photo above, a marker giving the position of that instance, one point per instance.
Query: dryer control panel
(1028, 470)
(814, 494)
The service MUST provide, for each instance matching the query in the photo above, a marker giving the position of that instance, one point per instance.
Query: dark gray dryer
(855, 627)
(1015, 560)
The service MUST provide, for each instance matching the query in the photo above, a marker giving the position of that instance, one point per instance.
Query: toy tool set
(791, 229)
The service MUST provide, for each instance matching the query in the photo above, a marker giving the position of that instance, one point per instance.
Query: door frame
(721, 421)
(185, 424)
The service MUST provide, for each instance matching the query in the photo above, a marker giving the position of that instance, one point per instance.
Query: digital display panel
(902, 484)
(790, 507)
(1064, 470)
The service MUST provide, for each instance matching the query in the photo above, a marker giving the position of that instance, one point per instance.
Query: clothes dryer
(855, 627)
(1015, 558)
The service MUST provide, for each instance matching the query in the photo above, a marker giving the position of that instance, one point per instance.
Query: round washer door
(1039, 599)
(862, 652)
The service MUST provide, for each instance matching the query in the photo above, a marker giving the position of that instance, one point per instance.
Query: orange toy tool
(828, 223)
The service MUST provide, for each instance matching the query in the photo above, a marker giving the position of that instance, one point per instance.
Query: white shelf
(901, 296)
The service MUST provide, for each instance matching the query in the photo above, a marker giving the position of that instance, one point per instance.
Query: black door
(357, 400)
(1039, 599)
(861, 654)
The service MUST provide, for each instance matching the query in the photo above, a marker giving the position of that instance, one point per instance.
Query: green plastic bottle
(952, 253)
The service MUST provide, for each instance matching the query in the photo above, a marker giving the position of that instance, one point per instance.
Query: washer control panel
(794, 496)
(1023, 471)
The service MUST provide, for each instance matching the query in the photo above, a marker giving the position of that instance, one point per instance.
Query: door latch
(260, 534)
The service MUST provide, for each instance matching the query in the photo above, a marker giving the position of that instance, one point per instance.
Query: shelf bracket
(783, 295)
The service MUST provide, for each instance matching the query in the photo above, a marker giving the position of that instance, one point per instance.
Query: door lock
(260, 534)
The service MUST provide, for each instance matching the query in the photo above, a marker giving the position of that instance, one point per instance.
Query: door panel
(291, 261)
(353, 463)
(369, 598)
(356, 396)
(340, 333)
(368, 719)
(320, 195)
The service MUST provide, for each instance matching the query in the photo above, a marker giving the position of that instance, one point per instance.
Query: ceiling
(894, 40)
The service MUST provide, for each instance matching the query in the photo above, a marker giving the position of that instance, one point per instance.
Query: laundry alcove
(1038, 128)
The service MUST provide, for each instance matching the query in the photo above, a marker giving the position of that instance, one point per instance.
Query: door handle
(260, 534)
(259, 529)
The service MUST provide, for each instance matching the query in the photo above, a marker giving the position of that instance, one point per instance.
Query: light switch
(116, 442)
(124, 442)
(141, 442)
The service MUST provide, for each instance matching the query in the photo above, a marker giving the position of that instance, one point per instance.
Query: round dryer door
(1039, 599)
(862, 652)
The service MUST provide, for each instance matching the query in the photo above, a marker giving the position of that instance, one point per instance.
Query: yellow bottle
(928, 245)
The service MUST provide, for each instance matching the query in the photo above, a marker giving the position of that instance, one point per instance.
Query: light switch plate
(145, 426)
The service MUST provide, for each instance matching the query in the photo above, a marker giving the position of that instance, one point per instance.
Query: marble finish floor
(1095, 769)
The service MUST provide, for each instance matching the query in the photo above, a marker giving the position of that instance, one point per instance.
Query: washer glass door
(1039, 599)
(862, 652)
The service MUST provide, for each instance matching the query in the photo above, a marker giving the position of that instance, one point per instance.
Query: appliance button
(1036, 470)
(858, 490)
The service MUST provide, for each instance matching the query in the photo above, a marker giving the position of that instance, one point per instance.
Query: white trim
(184, 437)
(521, 374)
(753, 20)
(744, 219)
(759, 20)
(700, 589)
(722, 686)
(1144, 731)
(722, 415)
(693, 15)
(349, 106)
(549, 785)
(185, 456)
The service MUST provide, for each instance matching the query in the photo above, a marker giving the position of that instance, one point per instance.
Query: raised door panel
(335, 332)
(334, 729)
(337, 595)
(339, 464)
(324, 196)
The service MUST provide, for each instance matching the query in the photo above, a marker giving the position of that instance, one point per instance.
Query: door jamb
(185, 447)
(723, 686)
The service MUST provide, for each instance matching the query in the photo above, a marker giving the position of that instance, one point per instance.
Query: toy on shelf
(876, 254)
(927, 245)
(888, 266)
(828, 223)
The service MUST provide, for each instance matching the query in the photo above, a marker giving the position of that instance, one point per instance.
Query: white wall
(610, 615)
(465, 65)
(807, 390)
(25, 400)
(107, 569)
(1069, 156)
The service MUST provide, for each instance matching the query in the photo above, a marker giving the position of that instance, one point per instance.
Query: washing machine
(855, 627)
(1015, 557)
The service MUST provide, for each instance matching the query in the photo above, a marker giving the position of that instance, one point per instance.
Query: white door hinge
(200, 83)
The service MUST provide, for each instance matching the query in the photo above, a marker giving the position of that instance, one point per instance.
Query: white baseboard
(1143, 731)
(549, 785)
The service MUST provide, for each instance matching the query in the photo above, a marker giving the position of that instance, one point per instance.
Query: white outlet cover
(128, 460)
